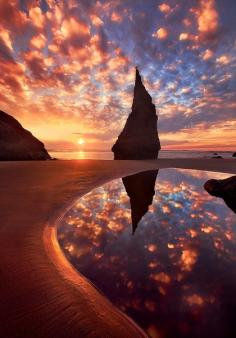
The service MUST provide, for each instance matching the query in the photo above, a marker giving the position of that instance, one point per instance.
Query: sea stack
(139, 139)
(17, 143)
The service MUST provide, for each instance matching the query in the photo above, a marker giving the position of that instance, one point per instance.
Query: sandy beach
(42, 295)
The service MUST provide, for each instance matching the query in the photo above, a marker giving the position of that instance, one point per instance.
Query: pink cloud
(164, 8)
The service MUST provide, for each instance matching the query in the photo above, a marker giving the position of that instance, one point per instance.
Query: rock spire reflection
(140, 189)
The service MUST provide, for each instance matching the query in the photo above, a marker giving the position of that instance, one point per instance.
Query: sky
(68, 68)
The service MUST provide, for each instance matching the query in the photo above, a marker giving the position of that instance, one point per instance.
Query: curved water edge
(163, 277)
(71, 274)
(82, 283)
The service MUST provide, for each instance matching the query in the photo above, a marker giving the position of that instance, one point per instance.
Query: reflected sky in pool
(176, 275)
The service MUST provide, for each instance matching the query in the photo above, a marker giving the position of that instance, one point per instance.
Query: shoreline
(42, 294)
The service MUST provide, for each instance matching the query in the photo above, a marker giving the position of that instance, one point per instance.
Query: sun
(80, 141)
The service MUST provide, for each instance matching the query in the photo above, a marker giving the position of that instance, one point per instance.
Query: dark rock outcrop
(139, 139)
(216, 155)
(225, 189)
(234, 155)
(17, 143)
(140, 189)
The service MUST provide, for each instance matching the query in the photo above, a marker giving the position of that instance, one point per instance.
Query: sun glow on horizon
(81, 141)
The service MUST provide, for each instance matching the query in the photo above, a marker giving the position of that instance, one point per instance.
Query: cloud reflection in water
(176, 275)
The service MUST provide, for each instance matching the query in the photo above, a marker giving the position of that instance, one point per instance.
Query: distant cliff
(17, 143)
(139, 139)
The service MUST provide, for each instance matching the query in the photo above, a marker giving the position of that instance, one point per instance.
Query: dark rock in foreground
(225, 189)
(17, 143)
(234, 155)
(140, 189)
(139, 139)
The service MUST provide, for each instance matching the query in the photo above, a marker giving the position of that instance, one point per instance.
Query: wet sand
(41, 293)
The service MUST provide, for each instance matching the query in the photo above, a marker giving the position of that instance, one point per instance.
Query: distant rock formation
(140, 189)
(215, 155)
(225, 189)
(17, 143)
(139, 139)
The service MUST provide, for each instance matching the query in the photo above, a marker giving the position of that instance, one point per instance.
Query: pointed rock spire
(138, 79)
(141, 95)
(140, 189)
(139, 138)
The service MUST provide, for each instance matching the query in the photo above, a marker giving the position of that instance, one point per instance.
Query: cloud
(223, 59)
(207, 19)
(164, 8)
(115, 17)
(72, 27)
(207, 55)
(96, 21)
(95, 136)
(5, 36)
(38, 41)
(5, 51)
(37, 17)
(13, 19)
(186, 37)
(161, 33)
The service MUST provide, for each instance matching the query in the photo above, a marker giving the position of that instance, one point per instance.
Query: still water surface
(176, 275)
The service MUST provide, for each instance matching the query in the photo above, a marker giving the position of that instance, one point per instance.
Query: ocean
(108, 155)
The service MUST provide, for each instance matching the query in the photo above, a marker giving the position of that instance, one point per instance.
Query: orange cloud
(208, 54)
(70, 35)
(188, 259)
(53, 48)
(161, 277)
(207, 18)
(37, 17)
(186, 36)
(115, 17)
(11, 18)
(38, 41)
(194, 300)
(5, 36)
(161, 34)
(12, 84)
(224, 60)
(96, 21)
(72, 27)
